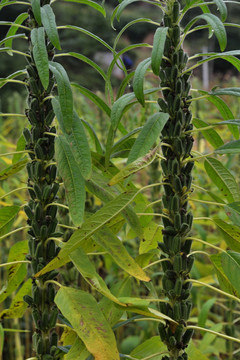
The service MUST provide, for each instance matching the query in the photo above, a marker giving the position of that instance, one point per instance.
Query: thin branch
(15, 262)
(213, 332)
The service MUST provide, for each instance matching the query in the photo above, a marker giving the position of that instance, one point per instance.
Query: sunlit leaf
(7, 216)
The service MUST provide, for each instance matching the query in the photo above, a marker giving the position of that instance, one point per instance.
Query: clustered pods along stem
(177, 173)
(42, 187)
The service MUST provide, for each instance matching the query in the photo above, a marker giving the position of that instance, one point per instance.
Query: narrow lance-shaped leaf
(210, 134)
(72, 178)
(86, 318)
(139, 78)
(233, 147)
(3, 81)
(36, 8)
(92, 4)
(222, 178)
(148, 135)
(231, 268)
(222, 8)
(40, 55)
(227, 91)
(152, 346)
(7, 216)
(134, 167)
(112, 244)
(48, 20)
(158, 48)
(20, 147)
(13, 29)
(64, 93)
(89, 227)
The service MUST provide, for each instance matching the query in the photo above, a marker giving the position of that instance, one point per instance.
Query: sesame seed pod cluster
(177, 143)
(43, 189)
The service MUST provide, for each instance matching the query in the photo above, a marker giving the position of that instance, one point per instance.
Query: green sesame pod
(39, 251)
(49, 118)
(172, 341)
(162, 332)
(176, 311)
(38, 212)
(35, 134)
(184, 296)
(53, 319)
(28, 299)
(36, 294)
(27, 135)
(170, 100)
(184, 228)
(175, 59)
(189, 308)
(38, 170)
(45, 316)
(178, 332)
(167, 189)
(189, 182)
(35, 229)
(177, 129)
(175, 203)
(50, 85)
(53, 173)
(169, 285)
(29, 171)
(52, 211)
(190, 262)
(47, 357)
(174, 73)
(167, 20)
(175, 11)
(34, 265)
(187, 336)
(33, 87)
(36, 316)
(177, 184)
(38, 191)
(176, 34)
(187, 246)
(176, 103)
(189, 219)
(170, 230)
(32, 193)
(46, 192)
(55, 189)
(188, 168)
(180, 116)
(164, 167)
(176, 244)
(178, 87)
(163, 105)
(163, 248)
(28, 212)
(51, 249)
(51, 294)
(43, 232)
(34, 104)
(32, 117)
(31, 71)
(178, 287)
(177, 263)
(53, 349)
(31, 247)
(39, 152)
(162, 75)
(178, 145)
(177, 221)
(163, 307)
(184, 311)
(40, 348)
(175, 167)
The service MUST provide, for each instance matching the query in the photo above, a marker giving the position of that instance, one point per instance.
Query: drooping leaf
(3, 81)
(72, 178)
(48, 20)
(194, 353)
(40, 55)
(118, 108)
(158, 49)
(13, 29)
(92, 4)
(126, 142)
(210, 134)
(64, 93)
(13, 169)
(85, 316)
(139, 78)
(149, 347)
(221, 6)
(36, 8)
(233, 212)
(79, 145)
(152, 236)
(7, 216)
(16, 272)
(88, 271)
(134, 167)
(20, 147)
(93, 136)
(231, 269)
(223, 179)
(148, 135)
(89, 227)
(18, 305)
(231, 233)
(203, 314)
(232, 147)
(89, 62)
(78, 351)
(113, 245)
(234, 91)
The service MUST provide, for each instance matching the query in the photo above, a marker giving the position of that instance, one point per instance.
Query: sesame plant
(59, 150)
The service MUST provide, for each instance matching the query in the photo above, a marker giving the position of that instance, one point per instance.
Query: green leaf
(11, 76)
(203, 314)
(48, 20)
(222, 278)
(7, 216)
(94, 98)
(134, 167)
(1, 339)
(13, 169)
(230, 233)
(194, 353)
(233, 212)
(20, 147)
(92, 4)
(111, 312)
(149, 347)
(89, 227)
(58, 113)
(210, 135)
(17, 272)
(40, 55)
(232, 147)
(118, 107)
(89, 62)
(158, 49)
(13, 29)
(86, 318)
(231, 269)
(125, 143)
(139, 78)
(72, 178)
(223, 179)
(37, 11)
(113, 245)
(222, 9)
(93, 136)
(88, 271)
(65, 94)
(18, 305)
(79, 145)
(148, 135)
(152, 236)
(227, 91)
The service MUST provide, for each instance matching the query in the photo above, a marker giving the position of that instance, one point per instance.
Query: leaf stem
(198, 252)
(57, 204)
(49, 133)
(156, 262)
(214, 332)
(53, 282)
(11, 114)
(197, 157)
(14, 231)
(68, 227)
(15, 190)
(15, 262)
(18, 152)
(207, 202)
(205, 243)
